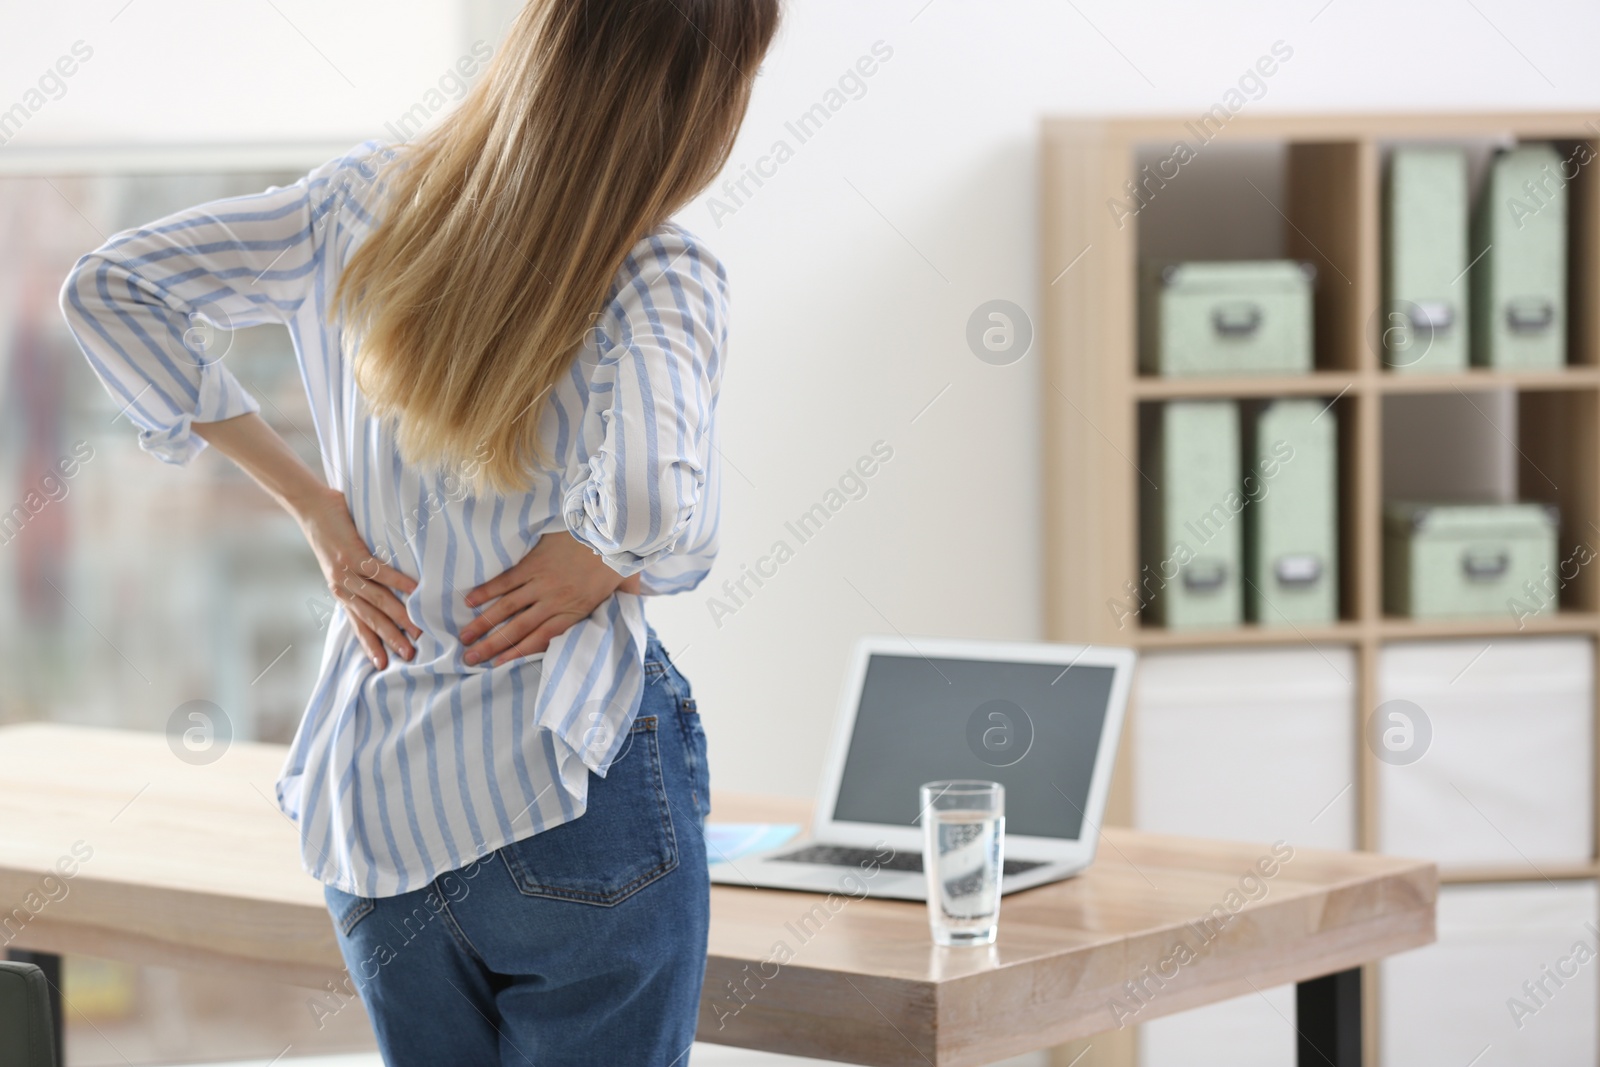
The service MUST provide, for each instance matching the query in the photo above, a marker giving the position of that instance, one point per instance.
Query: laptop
(1041, 719)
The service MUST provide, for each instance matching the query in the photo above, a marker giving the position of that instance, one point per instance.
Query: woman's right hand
(358, 580)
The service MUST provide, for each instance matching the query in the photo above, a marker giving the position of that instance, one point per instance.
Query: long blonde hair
(508, 222)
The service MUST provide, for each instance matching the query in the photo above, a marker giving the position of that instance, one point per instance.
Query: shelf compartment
(1330, 217)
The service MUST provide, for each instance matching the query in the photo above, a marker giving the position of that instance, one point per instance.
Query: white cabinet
(1504, 731)
(1511, 982)
(1260, 744)
(1248, 745)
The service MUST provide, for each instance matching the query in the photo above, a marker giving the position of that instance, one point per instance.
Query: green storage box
(1519, 288)
(1192, 527)
(1291, 532)
(1443, 560)
(1248, 317)
(1425, 308)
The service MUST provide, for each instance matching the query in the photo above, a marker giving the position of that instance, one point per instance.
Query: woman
(513, 359)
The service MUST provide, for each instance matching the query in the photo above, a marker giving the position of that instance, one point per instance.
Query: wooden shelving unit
(1330, 211)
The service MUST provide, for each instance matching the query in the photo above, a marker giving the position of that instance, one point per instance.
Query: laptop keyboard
(846, 856)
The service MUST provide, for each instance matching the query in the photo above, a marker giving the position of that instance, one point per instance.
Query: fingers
(363, 584)
(381, 624)
(339, 545)
(384, 600)
(498, 612)
(508, 634)
(376, 570)
(370, 643)
(500, 584)
(539, 640)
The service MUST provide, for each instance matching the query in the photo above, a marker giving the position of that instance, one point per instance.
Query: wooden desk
(193, 866)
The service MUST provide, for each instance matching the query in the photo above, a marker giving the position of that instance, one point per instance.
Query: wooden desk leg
(1328, 1016)
(50, 964)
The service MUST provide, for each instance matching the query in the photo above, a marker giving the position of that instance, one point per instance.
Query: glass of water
(963, 835)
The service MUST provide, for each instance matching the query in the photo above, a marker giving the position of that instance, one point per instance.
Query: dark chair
(27, 1028)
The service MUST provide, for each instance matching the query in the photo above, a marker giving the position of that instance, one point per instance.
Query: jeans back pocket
(622, 842)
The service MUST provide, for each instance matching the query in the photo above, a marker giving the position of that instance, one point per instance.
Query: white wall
(855, 266)
(191, 72)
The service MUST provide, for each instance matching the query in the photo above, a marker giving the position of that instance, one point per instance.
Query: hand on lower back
(358, 580)
(557, 584)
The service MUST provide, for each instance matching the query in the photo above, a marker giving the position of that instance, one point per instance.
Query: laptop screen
(1033, 727)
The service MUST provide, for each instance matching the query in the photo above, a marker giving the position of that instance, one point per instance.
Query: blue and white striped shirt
(396, 776)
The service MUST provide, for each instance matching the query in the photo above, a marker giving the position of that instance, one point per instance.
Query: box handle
(1238, 319)
(1205, 575)
(1530, 315)
(1298, 571)
(1485, 564)
(1435, 316)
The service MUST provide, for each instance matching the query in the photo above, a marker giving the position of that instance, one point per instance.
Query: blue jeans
(585, 944)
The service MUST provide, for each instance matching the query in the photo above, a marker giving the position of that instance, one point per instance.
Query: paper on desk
(730, 840)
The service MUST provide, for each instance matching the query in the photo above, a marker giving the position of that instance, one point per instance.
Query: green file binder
(1291, 485)
(1425, 309)
(1192, 526)
(1519, 288)
(1467, 559)
(1249, 317)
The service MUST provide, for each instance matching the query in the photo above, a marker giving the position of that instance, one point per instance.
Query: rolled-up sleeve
(646, 497)
(153, 308)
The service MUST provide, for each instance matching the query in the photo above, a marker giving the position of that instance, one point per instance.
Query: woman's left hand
(557, 584)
